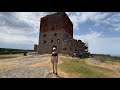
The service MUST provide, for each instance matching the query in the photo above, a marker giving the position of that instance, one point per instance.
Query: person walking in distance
(54, 59)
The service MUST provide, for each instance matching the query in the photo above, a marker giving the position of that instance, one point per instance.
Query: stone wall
(55, 22)
(79, 46)
(35, 48)
(49, 39)
(57, 29)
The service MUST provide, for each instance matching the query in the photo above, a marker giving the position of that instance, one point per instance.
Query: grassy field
(9, 56)
(83, 70)
(69, 67)
(108, 59)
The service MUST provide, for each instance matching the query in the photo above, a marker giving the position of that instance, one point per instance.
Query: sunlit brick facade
(57, 29)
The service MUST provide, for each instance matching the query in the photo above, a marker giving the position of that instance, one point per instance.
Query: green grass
(76, 66)
(112, 60)
(8, 56)
(107, 59)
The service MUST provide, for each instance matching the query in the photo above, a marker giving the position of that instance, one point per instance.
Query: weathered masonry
(57, 29)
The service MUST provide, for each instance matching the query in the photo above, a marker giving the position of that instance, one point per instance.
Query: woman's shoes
(53, 72)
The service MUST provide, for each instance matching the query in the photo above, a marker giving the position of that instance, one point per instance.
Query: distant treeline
(12, 51)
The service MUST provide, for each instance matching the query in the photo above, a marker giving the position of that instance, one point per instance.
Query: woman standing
(54, 59)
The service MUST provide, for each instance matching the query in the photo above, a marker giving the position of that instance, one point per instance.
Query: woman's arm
(57, 56)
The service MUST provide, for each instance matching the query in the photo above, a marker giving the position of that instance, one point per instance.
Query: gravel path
(20, 67)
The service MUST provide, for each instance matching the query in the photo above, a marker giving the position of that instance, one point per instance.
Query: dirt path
(39, 66)
(32, 66)
(23, 67)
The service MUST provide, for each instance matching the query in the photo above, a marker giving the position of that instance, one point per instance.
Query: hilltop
(12, 51)
(39, 66)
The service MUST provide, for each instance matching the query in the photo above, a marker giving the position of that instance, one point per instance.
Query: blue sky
(100, 29)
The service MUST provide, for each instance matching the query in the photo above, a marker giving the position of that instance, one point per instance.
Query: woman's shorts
(54, 59)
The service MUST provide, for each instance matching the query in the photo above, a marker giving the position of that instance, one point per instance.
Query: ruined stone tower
(57, 29)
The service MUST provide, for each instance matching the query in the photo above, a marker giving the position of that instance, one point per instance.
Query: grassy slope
(9, 56)
(84, 70)
(107, 59)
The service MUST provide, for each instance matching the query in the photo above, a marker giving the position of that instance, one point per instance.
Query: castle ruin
(57, 29)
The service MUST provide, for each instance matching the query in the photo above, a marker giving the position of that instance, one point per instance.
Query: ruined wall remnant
(57, 29)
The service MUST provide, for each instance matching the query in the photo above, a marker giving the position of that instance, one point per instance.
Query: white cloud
(16, 38)
(112, 22)
(31, 18)
(105, 45)
(92, 35)
(99, 44)
(81, 17)
(20, 28)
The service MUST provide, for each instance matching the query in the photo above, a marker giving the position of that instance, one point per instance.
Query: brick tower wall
(56, 21)
(49, 39)
(57, 29)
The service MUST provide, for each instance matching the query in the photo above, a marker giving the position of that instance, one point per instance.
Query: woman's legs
(53, 67)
